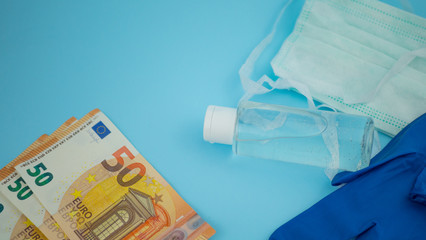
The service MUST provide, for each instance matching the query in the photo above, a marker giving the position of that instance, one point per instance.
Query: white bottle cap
(219, 124)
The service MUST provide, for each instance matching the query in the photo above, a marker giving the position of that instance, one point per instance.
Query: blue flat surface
(153, 67)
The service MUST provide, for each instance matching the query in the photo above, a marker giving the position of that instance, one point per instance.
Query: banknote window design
(112, 224)
(132, 210)
(124, 215)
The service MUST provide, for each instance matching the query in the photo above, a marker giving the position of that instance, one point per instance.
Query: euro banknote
(14, 188)
(14, 225)
(96, 185)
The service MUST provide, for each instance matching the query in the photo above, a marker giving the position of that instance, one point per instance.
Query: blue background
(153, 67)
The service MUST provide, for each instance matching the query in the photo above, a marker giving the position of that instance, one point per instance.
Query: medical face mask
(358, 56)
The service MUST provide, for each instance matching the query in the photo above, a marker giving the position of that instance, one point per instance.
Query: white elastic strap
(331, 141)
(326, 106)
(250, 86)
(398, 66)
(376, 144)
(254, 88)
(282, 83)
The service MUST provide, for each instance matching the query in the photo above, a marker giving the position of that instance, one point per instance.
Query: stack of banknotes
(86, 181)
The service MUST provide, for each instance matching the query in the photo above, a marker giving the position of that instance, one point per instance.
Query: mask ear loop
(375, 149)
(252, 88)
(326, 106)
(376, 142)
(397, 67)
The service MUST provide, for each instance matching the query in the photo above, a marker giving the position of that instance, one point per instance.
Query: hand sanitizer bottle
(304, 136)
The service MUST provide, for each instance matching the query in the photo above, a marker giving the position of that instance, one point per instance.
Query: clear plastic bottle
(304, 136)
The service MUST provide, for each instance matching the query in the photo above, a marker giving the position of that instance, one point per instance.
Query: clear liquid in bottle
(304, 136)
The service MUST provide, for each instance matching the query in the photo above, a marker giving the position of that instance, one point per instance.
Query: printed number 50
(127, 169)
(23, 193)
(42, 179)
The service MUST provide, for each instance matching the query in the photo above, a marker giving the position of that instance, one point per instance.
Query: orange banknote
(14, 188)
(96, 185)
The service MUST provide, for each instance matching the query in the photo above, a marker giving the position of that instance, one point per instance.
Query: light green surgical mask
(358, 56)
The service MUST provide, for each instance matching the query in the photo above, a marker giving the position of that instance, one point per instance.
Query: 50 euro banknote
(15, 189)
(96, 185)
(14, 225)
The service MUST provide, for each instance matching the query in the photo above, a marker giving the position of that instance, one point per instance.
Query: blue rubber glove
(385, 201)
